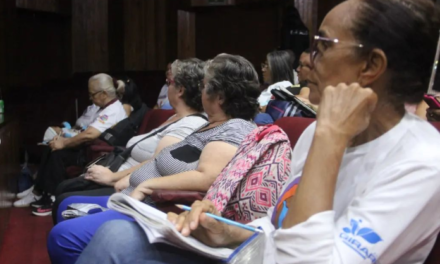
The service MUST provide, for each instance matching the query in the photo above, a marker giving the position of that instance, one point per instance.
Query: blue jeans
(124, 242)
(69, 238)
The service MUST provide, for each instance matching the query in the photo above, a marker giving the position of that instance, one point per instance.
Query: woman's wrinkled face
(334, 63)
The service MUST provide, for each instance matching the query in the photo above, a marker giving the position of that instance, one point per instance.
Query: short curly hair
(188, 74)
(235, 79)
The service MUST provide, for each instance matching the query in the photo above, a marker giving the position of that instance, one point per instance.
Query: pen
(224, 220)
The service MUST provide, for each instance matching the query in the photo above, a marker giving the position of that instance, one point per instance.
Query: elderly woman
(185, 97)
(365, 181)
(229, 97)
(65, 152)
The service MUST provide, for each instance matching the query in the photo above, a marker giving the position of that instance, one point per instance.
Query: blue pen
(224, 220)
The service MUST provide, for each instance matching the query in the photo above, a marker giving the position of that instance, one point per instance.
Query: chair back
(154, 119)
(294, 127)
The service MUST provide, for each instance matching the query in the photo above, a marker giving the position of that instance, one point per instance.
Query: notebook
(160, 230)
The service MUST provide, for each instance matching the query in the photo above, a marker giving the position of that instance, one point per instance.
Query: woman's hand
(122, 184)
(100, 174)
(57, 143)
(206, 229)
(433, 115)
(345, 110)
(141, 191)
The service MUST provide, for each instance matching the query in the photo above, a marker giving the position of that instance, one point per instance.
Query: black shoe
(45, 199)
(44, 210)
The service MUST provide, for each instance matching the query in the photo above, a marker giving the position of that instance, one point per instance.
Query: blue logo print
(349, 237)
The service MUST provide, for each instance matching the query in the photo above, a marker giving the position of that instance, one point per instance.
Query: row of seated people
(364, 179)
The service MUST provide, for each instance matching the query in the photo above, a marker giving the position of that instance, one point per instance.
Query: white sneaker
(24, 193)
(27, 200)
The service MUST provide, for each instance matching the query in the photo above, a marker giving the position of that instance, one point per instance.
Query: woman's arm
(344, 112)
(215, 156)
(102, 175)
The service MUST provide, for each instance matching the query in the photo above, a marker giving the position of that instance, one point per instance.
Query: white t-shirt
(146, 148)
(385, 204)
(266, 95)
(163, 96)
(89, 115)
(109, 116)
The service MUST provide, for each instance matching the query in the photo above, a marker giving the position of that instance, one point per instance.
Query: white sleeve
(395, 213)
(183, 128)
(107, 119)
(265, 97)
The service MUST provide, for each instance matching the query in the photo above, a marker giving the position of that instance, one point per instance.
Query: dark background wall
(49, 48)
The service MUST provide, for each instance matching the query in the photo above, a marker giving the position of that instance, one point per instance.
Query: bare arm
(215, 156)
(127, 109)
(344, 112)
(89, 134)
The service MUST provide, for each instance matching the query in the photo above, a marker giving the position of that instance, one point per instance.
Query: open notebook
(160, 230)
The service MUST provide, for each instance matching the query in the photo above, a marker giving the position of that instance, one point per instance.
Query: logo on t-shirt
(350, 236)
(103, 119)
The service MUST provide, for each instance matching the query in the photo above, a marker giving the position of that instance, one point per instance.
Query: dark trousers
(77, 187)
(52, 170)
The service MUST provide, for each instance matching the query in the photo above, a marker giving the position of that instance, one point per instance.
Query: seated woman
(63, 152)
(365, 182)
(277, 72)
(185, 97)
(229, 97)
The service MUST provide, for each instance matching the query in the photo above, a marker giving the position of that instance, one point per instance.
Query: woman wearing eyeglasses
(277, 73)
(229, 93)
(185, 97)
(366, 176)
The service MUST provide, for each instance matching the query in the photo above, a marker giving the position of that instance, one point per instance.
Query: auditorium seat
(294, 127)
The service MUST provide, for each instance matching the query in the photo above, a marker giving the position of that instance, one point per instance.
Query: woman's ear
(374, 67)
(180, 90)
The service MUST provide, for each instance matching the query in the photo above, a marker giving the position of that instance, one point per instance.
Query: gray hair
(188, 74)
(105, 83)
(235, 79)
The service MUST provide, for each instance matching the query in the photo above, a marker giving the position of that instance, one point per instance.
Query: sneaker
(27, 200)
(44, 210)
(24, 193)
(45, 199)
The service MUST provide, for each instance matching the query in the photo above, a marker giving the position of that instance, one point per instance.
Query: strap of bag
(127, 152)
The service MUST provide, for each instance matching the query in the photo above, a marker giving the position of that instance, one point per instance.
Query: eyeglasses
(321, 44)
(91, 95)
(264, 66)
(169, 82)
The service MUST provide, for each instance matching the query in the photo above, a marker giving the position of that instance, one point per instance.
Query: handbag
(117, 157)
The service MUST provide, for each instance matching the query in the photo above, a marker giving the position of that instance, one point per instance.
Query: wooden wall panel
(186, 35)
(90, 43)
(324, 6)
(308, 10)
(147, 35)
(249, 32)
(54, 6)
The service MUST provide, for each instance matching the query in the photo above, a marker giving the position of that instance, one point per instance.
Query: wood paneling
(186, 47)
(90, 42)
(41, 48)
(324, 6)
(249, 32)
(55, 6)
(308, 10)
(149, 44)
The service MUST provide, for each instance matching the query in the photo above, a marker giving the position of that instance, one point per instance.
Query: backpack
(252, 181)
(123, 131)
